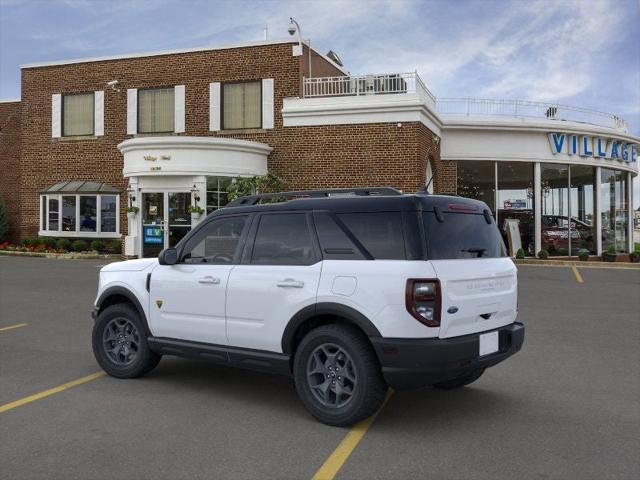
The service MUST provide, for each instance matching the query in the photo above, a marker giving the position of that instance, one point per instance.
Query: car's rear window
(462, 235)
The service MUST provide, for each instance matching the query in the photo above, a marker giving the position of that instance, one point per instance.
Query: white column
(537, 207)
(598, 212)
(630, 211)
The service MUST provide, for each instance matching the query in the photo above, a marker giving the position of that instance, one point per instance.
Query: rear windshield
(462, 235)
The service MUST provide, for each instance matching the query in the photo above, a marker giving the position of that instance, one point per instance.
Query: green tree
(4, 222)
(243, 186)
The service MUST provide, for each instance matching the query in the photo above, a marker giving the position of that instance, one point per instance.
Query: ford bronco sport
(347, 291)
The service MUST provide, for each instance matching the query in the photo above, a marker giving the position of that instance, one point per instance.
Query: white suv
(348, 292)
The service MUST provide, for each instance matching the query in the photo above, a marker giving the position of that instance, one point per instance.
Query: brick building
(165, 130)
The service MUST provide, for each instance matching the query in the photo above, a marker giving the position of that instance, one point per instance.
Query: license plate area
(489, 343)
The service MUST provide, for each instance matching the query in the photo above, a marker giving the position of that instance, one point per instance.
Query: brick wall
(10, 163)
(318, 156)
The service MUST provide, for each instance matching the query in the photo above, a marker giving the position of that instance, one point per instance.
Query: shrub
(520, 253)
(543, 254)
(47, 242)
(113, 247)
(79, 246)
(611, 249)
(98, 245)
(29, 242)
(4, 222)
(242, 186)
(634, 257)
(64, 244)
(583, 256)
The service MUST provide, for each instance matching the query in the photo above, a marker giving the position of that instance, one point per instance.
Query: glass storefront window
(53, 213)
(516, 202)
(69, 214)
(477, 180)
(108, 213)
(581, 203)
(88, 214)
(555, 208)
(614, 210)
(217, 192)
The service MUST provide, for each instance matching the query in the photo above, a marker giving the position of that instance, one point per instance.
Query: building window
(156, 110)
(515, 203)
(241, 105)
(477, 180)
(217, 192)
(80, 215)
(614, 210)
(78, 114)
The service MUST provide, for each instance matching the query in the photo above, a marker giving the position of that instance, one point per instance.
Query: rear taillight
(423, 301)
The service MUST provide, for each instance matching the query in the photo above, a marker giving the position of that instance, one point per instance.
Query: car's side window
(218, 242)
(283, 239)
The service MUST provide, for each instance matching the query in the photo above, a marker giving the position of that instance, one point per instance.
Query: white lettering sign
(597, 147)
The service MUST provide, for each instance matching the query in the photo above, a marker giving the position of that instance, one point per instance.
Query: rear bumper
(412, 363)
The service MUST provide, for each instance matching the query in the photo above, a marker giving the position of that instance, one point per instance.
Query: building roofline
(172, 52)
(9, 100)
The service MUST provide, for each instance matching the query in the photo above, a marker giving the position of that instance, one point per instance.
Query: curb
(574, 263)
(65, 256)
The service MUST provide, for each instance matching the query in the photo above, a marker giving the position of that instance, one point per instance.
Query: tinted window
(283, 240)
(217, 243)
(334, 242)
(462, 235)
(380, 233)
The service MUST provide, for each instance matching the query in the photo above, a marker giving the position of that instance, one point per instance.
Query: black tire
(368, 391)
(460, 381)
(139, 358)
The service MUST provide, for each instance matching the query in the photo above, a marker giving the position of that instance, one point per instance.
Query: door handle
(290, 283)
(209, 280)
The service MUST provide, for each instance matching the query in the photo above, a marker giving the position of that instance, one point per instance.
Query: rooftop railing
(402, 83)
(357, 85)
(528, 109)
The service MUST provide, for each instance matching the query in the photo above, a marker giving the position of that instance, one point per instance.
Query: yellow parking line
(334, 463)
(11, 327)
(577, 274)
(37, 396)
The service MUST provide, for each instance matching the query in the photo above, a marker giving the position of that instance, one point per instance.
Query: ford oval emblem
(452, 309)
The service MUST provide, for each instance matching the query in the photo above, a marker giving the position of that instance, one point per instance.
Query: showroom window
(80, 209)
(516, 202)
(241, 105)
(217, 192)
(614, 209)
(78, 114)
(477, 180)
(156, 110)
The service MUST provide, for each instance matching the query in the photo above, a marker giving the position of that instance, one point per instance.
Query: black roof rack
(255, 199)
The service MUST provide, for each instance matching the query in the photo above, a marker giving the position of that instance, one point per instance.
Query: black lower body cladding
(413, 363)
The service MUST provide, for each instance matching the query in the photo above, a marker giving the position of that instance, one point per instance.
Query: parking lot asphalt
(566, 406)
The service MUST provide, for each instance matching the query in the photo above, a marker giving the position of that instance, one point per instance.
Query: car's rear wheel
(460, 381)
(120, 343)
(337, 375)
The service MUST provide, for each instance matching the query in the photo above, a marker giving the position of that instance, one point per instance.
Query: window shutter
(267, 103)
(214, 106)
(98, 111)
(56, 115)
(132, 111)
(179, 108)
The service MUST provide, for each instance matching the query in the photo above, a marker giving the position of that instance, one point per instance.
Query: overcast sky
(583, 52)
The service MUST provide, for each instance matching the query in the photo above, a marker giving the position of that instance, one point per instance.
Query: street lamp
(294, 27)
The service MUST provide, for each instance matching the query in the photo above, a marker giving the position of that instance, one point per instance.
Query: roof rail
(255, 199)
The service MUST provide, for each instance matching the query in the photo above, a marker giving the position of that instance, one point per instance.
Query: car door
(278, 277)
(187, 300)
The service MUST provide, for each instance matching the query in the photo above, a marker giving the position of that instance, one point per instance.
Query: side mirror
(168, 256)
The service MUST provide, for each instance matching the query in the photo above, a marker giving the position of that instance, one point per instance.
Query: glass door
(179, 218)
(153, 215)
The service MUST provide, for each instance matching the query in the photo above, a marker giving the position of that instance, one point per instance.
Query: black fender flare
(350, 315)
(129, 295)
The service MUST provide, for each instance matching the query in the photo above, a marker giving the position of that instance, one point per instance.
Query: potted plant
(195, 211)
(610, 255)
(583, 256)
(634, 256)
(131, 212)
(543, 254)
(520, 254)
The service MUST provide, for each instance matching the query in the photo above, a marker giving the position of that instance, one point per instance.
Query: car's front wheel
(120, 343)
(337, 375)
